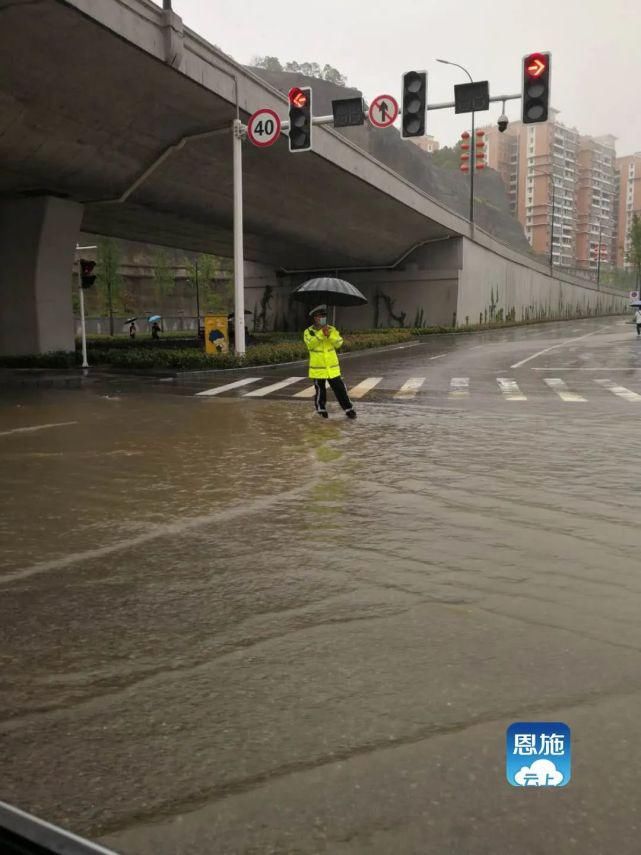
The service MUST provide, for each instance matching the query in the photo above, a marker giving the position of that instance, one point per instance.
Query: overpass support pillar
(38, 238)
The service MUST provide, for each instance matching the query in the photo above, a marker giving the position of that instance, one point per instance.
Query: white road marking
(510, 389)
(265, 390)
(570, 368)
(440, 356)
(36, 427)
(235, 385)
(410, 387)
(558, 386)
(621, 391)
(553, 347)
(364, 387)
(459, 387)
(308, 392)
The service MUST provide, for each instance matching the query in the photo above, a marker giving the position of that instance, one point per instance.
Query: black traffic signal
(536, 87)
(86, 270)
(300, 118)
(414, 104)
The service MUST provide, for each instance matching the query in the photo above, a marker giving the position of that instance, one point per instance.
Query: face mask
(323, 320)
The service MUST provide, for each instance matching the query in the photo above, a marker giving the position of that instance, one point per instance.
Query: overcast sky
(596, 47)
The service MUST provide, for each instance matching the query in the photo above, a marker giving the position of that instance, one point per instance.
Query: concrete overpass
(115, 118)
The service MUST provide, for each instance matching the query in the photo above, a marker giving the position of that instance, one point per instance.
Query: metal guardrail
(24, 834)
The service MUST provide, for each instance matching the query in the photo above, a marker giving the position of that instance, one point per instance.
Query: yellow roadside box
(216, 334)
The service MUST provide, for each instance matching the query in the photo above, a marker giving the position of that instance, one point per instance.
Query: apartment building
(596, 202)
(562, 187)
(628, 171)
(547, 200)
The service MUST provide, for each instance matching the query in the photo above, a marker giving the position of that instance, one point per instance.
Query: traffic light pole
(83, 331)
(239, 255)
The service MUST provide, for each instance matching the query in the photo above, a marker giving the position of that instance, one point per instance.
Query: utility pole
(598, 258)
(552, 222)
(239, 260)
(83, 329)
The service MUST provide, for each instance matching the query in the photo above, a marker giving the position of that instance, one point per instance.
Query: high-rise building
(596, 202)
(547, 202)
(629, 196)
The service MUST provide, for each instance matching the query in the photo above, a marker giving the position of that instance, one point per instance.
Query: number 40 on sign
(263, 127)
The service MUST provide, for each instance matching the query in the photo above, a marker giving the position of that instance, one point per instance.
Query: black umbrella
(329, 290)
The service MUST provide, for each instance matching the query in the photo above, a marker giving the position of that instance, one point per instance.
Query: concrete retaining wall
(493, 286)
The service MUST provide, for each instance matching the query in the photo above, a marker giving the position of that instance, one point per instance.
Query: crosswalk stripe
(308, 392)
(235, 385)
(410, 387)
(510, 389)
(364, 387)
(621, 391)
(459, 387)
(557, 385)
(274, 387)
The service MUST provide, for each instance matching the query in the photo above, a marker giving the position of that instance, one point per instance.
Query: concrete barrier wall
(494, 287)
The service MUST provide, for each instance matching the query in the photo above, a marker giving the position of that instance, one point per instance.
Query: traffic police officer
(323, 340)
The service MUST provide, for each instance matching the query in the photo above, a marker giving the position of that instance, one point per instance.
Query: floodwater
(228, 626)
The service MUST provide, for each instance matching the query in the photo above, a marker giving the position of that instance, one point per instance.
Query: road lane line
(553, 347)
(440, 356)
(510, 389)
(36, 427)
(621, 391)
(557, 385)
(364, 387)
(410, 387)
(273, 387)
(308, 392)
(459, 387)
(235, 385)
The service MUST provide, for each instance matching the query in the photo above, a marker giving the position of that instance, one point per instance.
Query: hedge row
(120, 354)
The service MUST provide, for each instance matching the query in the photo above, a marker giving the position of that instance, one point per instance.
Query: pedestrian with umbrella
(132, 327)
(323, 339)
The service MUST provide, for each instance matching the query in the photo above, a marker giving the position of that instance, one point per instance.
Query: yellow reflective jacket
(323, 359)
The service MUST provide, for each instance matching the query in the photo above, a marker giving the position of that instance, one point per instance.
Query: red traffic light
(536, 64)
(86, 266)
(297, 97)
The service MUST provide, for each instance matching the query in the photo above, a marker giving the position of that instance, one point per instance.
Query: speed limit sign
(263, 127)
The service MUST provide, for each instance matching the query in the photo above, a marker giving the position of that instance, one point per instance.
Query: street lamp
(472, 146)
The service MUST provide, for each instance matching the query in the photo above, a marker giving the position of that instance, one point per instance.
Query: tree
(269, 63)
(109, 282)
(448, 158)
(633, 255)
(308, 69)
(206, 274)
(333, 75)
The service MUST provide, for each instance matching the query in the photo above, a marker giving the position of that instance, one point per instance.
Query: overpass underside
(99, 134)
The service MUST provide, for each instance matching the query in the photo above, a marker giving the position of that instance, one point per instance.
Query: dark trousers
(638, 329)
(338, 388)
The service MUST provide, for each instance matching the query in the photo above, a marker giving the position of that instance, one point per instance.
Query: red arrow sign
(536, 66)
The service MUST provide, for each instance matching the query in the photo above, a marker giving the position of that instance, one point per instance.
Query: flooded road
(229, 626)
